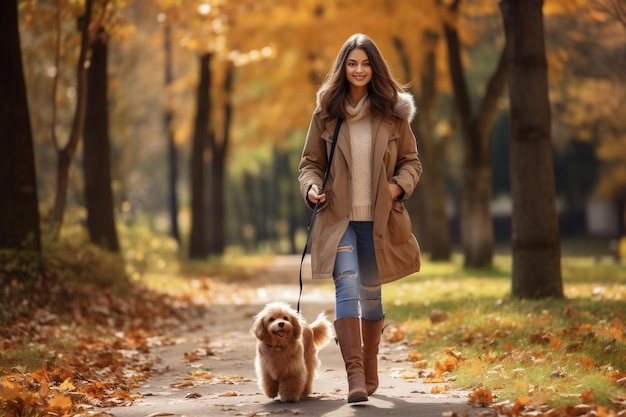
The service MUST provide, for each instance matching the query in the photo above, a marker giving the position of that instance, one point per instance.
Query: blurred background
(207, 104)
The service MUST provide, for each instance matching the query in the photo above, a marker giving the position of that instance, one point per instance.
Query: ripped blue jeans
(357, 283)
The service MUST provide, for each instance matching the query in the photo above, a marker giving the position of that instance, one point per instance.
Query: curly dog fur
(287, 346)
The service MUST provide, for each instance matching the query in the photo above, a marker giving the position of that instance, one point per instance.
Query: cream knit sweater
(360, 127)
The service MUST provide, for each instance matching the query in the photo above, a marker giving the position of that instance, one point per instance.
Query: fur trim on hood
(405, 107)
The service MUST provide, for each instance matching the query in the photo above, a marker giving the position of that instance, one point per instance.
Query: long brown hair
(382, 90)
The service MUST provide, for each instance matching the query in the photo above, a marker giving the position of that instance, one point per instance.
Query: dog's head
(277, 324)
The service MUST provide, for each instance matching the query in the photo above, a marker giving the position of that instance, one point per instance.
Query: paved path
(223, 383)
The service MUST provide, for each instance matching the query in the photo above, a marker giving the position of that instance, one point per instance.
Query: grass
(27, 359)
(553, 351)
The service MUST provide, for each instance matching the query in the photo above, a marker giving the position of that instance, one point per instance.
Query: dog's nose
(281, 324)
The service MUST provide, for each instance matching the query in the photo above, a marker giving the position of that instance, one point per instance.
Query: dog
(286, 353)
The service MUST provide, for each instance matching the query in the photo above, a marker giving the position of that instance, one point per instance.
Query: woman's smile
(358, 69)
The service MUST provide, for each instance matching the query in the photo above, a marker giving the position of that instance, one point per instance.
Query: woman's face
(358, 69)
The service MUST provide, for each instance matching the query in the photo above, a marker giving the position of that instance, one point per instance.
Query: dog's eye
(271, 319)
(286, 318)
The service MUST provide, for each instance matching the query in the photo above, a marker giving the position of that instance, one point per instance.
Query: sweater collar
(360, 110)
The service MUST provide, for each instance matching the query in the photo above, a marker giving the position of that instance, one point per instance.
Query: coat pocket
(399, 223)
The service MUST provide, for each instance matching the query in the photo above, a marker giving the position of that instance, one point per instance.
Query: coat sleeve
(408, 166)
(314, 160)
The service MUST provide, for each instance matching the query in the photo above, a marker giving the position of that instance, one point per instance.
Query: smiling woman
(362, 233)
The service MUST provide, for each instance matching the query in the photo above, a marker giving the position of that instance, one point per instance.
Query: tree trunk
(65, 155)
(535, 234)
(432, 156)
(430, 222)
(97, 151)
(20, 237)
(217, 239)
(172, 150)
(476, 222)
(197, 241)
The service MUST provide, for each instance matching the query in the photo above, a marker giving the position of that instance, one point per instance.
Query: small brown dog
(287, 346)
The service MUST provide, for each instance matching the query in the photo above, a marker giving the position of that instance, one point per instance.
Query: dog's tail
(322, 331)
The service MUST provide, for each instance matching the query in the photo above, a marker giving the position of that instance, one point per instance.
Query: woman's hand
(315, 194)
(395, 190)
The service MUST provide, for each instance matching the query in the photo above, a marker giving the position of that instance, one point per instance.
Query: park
(150, 207)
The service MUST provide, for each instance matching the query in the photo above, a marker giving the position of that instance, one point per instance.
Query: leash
(310, 225)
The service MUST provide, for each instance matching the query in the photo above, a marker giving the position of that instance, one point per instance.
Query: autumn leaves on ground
(71, 347)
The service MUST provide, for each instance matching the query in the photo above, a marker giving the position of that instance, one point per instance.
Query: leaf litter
(90, 347)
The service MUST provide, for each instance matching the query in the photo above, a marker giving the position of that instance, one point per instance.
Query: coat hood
(405, 107)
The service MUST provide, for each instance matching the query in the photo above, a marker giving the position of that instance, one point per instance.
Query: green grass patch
(552, 350)
(28, 359)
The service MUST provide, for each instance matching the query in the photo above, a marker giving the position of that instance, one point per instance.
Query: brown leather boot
(372, 330)
(348, 332)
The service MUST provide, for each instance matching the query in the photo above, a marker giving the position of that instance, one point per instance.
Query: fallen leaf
(67, 385)
(393, 334)
(480, 397)
(60, 401)
(438, 389)
(587, 397)
(420, 364)
(414, 357)
(438, 316)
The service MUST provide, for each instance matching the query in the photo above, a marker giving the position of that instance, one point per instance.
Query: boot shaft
(348, 333)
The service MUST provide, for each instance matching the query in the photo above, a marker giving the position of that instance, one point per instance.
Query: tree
(218, 153)
(476, 223)
(20, 237)
(535, 237)
(432, 154)
(168, 116)
(97, 150)
(588, 100)
(198, 244)
(66, 153)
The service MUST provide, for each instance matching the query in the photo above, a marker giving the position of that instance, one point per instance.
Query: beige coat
(395, 160)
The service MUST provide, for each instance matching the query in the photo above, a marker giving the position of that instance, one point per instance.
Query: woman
(361, 236)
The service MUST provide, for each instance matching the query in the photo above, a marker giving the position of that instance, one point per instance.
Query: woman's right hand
(316, 194)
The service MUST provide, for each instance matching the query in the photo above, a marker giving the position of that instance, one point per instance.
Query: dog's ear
(258, 328)
(297, 326)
